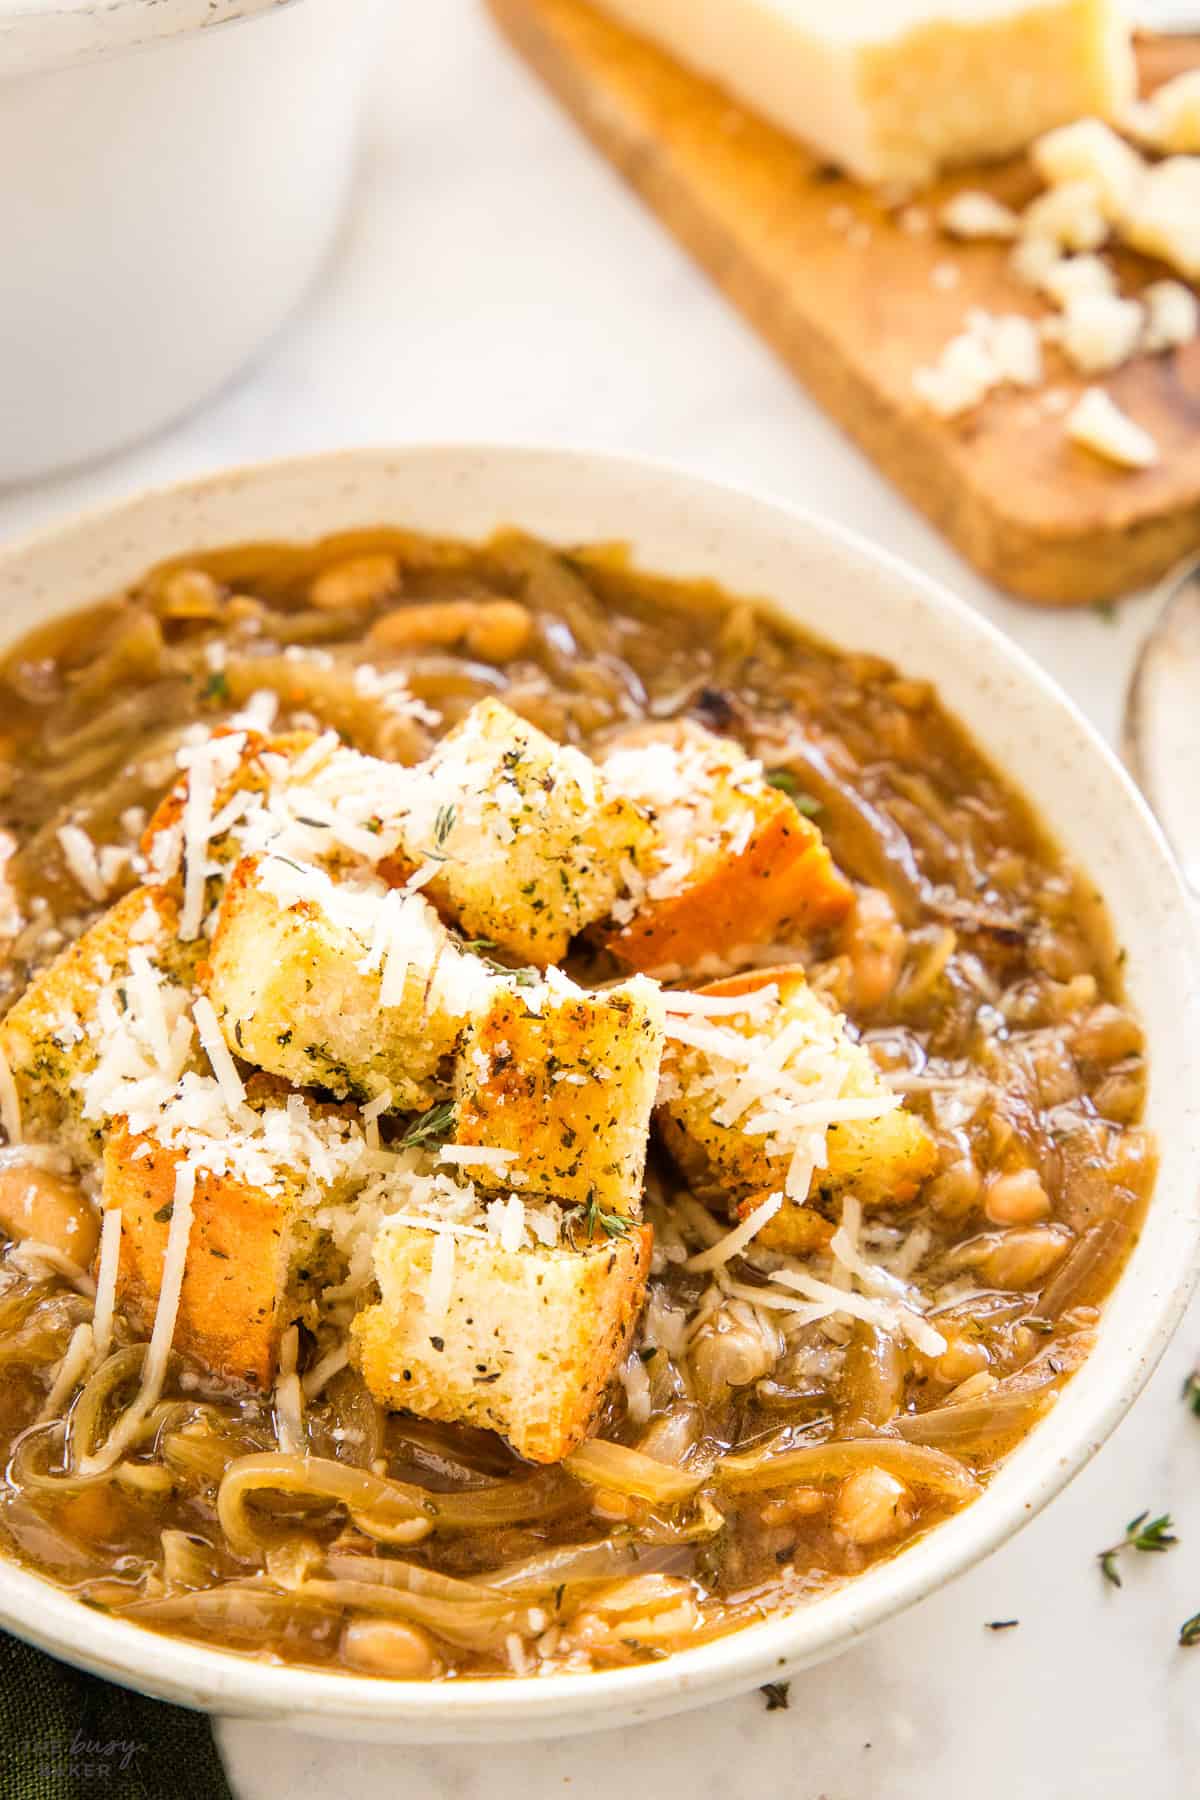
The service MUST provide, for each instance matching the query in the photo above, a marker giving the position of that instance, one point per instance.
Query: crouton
(733, 863)
(233, 1305)
(755, 1123)
(564, 1080)
(301, 974)
(51, 1037)
(526, 1343)
(246, 763)
(530, 843)
(255, 1256)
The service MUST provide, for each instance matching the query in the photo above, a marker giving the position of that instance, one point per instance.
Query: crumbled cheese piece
(1070, 277)
(1033, 260)
(994, 350)
(963, 375)
(1172, 316)
(1011, 340)
(1089, 151)
(1164, 220)
(1170, 119)
(974, 214)
(1069, 217)
(1098, 332)
(1098, 423)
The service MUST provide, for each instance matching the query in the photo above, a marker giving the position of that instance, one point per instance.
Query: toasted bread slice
(734, 863)
(531, 844)
(338, 985)
(526, 1344)
(564, 1080)
(718, 1132)
(52, 1038)
(256, 764)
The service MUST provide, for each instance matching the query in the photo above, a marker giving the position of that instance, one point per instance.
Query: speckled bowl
(836, 585)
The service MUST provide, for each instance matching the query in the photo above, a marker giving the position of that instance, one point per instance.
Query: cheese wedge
(894, 90)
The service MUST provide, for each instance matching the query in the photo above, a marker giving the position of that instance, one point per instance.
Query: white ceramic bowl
(835, 585)
(171, 176)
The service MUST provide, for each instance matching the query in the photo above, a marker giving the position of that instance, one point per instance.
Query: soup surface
(891, 1173)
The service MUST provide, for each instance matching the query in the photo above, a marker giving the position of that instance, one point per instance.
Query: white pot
(833, 584)
(171, 175)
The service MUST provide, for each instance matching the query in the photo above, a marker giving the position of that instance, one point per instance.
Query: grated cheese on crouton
(733, 861)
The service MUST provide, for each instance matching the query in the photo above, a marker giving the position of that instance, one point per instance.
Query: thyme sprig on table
(775, 1693)
(1190, 1393)
(1143, 1533)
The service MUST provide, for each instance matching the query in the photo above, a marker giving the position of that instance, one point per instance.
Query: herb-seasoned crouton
(53, 1037)
(778, 1097)
(564, 1081)
(233, 1302)
(733, 863)
(532, 846)
(520, 1342)
(254, 1255)
(232, 763)
(341, 985)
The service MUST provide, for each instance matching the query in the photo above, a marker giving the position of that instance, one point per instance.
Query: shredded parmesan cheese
(215, 1048)
(106, 1282)
(154, 1369)
(736, 1240)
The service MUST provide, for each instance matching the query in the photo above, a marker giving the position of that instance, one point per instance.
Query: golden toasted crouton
(51, 1037)
(233, 1304)
(530, 843)
(733, 863)
(565, 1080)
(526, 1345)
(297, 990)
(258, 763)
(720, 1129)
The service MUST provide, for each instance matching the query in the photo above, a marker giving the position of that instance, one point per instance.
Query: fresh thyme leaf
(438, 1122)
(1191, 1391)
(479, 943)
(1142, 1533)
(1106, 610)
(786, 782)
(595, 1220)
(216, 687)
(1189, 1631)
(443, 824)
(1000, 1624)
(775, 1693)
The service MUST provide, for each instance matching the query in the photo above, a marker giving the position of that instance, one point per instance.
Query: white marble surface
(494, 281)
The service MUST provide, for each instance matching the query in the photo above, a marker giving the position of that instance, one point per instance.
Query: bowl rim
(222, 1681)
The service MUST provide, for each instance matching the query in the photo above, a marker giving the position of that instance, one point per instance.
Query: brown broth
(1006, 1013)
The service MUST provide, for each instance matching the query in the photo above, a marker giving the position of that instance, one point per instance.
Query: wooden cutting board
(851, 293)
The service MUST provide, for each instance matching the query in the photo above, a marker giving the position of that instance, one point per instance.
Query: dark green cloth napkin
(65, 1735)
